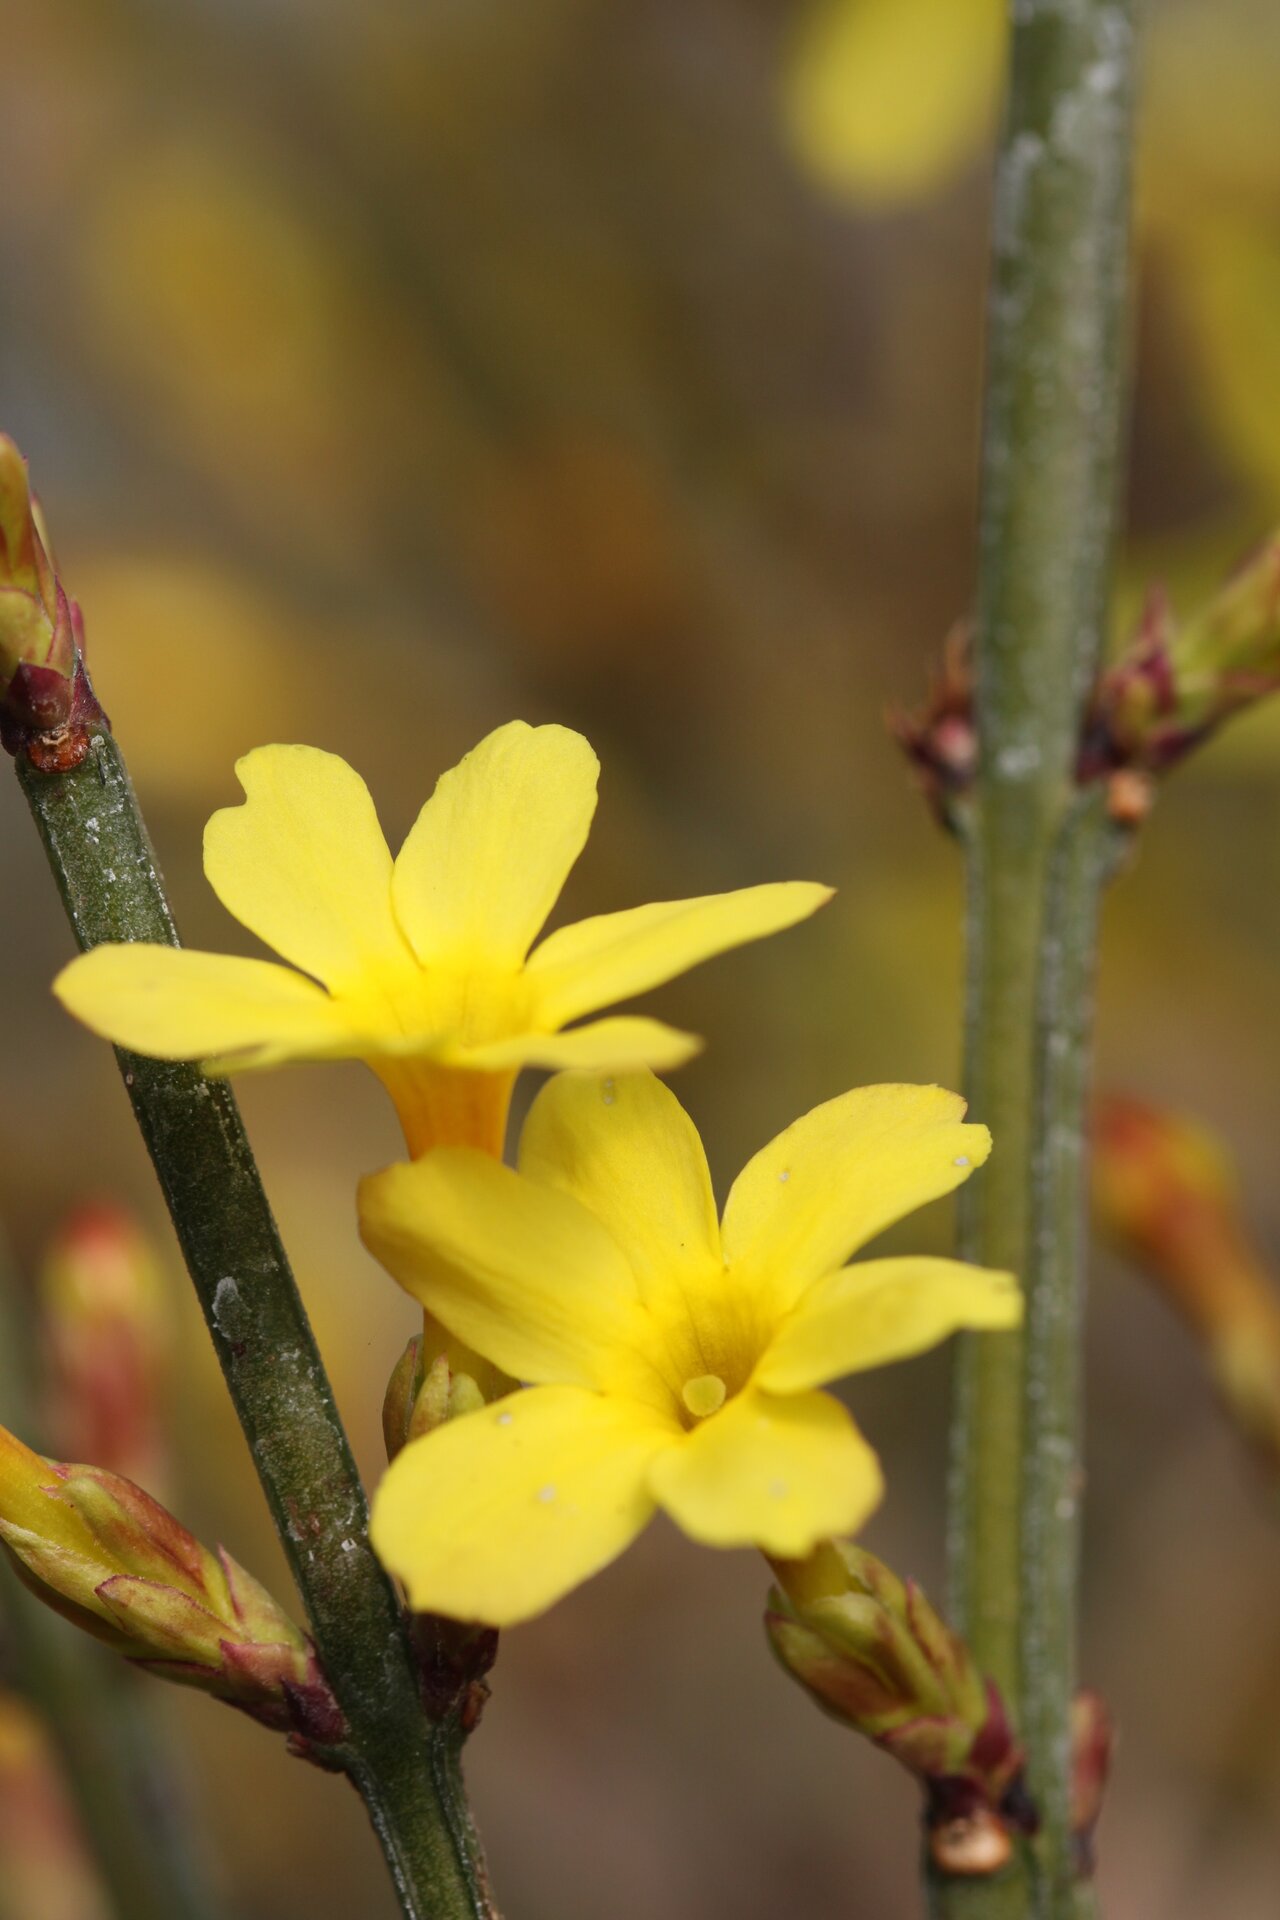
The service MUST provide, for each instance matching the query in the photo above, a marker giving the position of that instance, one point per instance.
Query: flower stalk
(1036, 862)
(407, 1770)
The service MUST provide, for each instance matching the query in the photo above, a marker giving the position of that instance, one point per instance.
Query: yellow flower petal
(488, 855)
(179, 1005)
(496, 1515)
(303, 864)
(887, 98)
(841, 1174)
(524, 1275)
(627, 1150)
(879, 1311)
(618, 1045)
(769, 1472)
(595, 962)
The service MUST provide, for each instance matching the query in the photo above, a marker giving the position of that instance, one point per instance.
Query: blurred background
(391, 371)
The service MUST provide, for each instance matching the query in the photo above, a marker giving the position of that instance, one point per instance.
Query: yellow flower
(674, 1357)
(420, 967)
(886, 99)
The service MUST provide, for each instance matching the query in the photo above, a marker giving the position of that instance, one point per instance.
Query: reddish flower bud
(873, 1653)
(107, 1337)
(106, 1555)
(1165, 1193)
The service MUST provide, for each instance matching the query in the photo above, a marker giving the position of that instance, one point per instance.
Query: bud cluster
(1173, 686)
(435, 1379)
(106, 1555)
(1179, 680)
(872, 1652)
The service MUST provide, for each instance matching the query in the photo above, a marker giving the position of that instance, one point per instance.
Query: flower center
(703, 1395)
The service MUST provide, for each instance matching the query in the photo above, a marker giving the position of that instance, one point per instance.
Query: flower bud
(435, 1379)
(103, 1301)
(1165, 1193)
(106, 1555)
(941, 741)
(1092, 1743)
(37, 641)
(47, 1869)
(1178, 681)
(873, 1653)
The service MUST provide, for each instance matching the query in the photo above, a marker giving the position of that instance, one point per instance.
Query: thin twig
(1051, 458)
(406, 1769)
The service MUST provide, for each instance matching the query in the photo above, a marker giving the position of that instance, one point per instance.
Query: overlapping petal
(616, 955)
(623, 1044)
(627, 1150)
(830, 1182)
(496, 1515)
(883, 1310)
(522, 1273)
(303, 864)
(668, 1375)
(772, 1472)
(485, 861)
(177, 1004)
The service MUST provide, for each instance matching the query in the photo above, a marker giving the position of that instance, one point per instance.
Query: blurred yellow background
(391, 371)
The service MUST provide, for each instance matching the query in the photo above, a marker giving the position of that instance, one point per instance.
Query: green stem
(1050, 464)
(406, 1769)
(1052, 1463)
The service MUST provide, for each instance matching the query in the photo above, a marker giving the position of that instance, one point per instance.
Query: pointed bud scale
(941, 741)
(37, 643)
(1165, 1192)
(1092, 1744)
(1177, 681)
(436, 1379)
(48, 712)
(103, 1301)
(873, 1653)
(102, 1552)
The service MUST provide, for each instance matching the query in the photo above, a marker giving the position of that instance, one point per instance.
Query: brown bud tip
(971, 1847)
(1130, 797)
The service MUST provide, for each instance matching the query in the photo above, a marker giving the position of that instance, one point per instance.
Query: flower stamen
(703, 1396)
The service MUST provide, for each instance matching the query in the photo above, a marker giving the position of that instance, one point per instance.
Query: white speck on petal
(608, 1093)
(962, 1160)
(546, 1495)
(778, 1489)
(785, 1174)
(504, 1419)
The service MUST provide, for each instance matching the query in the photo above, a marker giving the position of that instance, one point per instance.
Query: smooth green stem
(1053, 434)
(406, 1770)
(1053, 1469)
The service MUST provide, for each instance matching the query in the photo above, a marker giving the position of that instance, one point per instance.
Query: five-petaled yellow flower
(422, 966)
(674, 1357)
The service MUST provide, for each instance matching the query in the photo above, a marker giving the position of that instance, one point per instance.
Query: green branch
(407, 1770)
(1049, 485)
